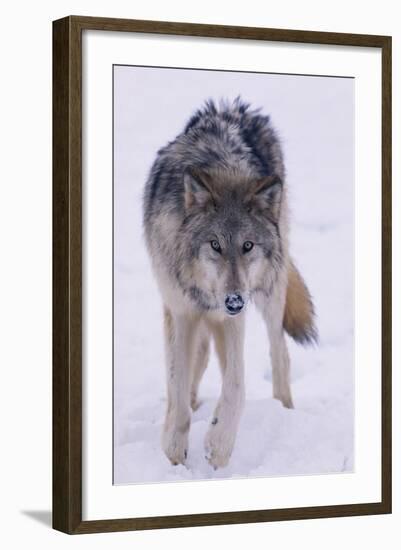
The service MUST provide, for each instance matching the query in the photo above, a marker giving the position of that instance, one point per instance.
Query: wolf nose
(234, 303)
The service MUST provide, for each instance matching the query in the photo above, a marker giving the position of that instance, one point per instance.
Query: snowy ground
(314, 117)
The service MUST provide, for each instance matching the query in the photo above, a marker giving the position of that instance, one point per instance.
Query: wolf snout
(234, 303)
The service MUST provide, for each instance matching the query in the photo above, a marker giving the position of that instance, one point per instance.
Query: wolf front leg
(200, 357)
(272, 310)
(220, 438)
(179, 335)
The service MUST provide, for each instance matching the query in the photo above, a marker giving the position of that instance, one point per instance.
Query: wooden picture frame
(67, 273)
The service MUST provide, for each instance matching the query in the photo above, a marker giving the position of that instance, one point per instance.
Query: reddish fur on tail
(299, 313)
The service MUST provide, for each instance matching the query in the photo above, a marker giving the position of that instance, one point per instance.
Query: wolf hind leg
(179, 335)
(272, 310)
(200, 359)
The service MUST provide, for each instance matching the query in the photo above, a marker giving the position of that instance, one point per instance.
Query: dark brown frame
(67, 277)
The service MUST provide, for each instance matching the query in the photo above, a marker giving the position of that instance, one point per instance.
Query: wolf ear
(267, 195)
(196, 189)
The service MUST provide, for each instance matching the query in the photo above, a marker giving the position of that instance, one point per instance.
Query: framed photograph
(221, 274)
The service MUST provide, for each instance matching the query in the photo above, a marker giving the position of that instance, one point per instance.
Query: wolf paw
(175, 446)
(285, 399)
(218, 446)
(195, 403)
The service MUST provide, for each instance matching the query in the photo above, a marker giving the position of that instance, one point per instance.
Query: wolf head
(230, 236)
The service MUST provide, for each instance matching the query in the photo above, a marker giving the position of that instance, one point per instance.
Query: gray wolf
(216, 228)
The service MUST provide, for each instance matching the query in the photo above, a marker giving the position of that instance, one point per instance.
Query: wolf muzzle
(234, 303)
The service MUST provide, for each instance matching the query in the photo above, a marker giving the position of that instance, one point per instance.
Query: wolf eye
(247, 246)
(215, 245)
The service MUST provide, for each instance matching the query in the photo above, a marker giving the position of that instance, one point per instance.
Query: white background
(329, 385)
(323, 383)
(26, 274)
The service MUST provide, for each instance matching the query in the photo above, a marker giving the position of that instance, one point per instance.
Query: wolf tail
(299, 313)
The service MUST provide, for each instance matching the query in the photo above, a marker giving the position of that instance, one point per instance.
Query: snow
(315, 118)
